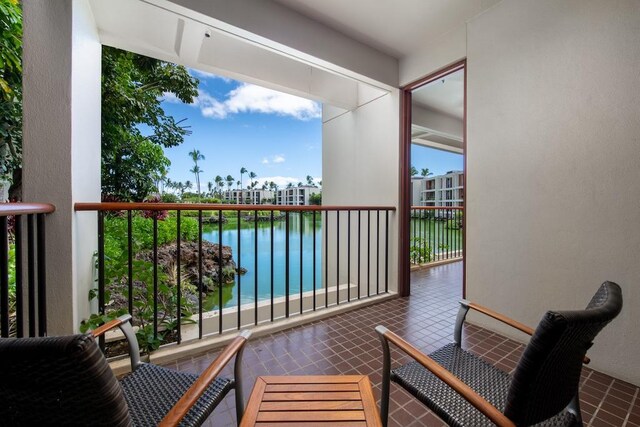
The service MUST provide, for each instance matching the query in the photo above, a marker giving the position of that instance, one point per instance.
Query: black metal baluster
(155, 276)
(359, 255)
(255, 267)
(4, 276)
(100, 271)
(301, 216)
(286, 263)
(386, 252)
(326, 258)
(200, 284)
(42, 278)
(377, 252)
(369, 253)
(239, 280)
(31, 272)
(19, 277)
(314, 260)
(178, 278)
(348, 256)
(130, 259)
(220, 282)
(337, 257)
(271, 243)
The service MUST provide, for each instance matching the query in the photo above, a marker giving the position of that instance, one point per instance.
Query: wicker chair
(66, 381)
(464, 390)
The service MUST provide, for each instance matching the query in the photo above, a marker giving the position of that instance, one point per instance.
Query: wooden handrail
(7, 209)
(197, 389)
(509, 321)
(79, 207)
(452, 381)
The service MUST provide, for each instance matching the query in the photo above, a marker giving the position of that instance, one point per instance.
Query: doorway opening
(434, 173)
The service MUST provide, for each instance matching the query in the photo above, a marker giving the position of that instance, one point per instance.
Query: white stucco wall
(62, 145)
(360, 158)
(553, 89)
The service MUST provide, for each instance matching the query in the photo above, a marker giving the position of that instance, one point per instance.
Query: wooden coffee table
(332, 400)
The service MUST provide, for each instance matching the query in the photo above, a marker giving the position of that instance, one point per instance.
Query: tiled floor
(347, 344)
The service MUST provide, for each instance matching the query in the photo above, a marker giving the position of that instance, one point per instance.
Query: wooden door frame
(404, 270)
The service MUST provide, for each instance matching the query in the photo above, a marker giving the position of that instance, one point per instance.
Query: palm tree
(310, 181)
(414, 171)
(230, 181)
(243, 170)
(252, 176)
(210, 187)
(425, 172)
(299, 184)
(219, 182)
(197, 171)
(196, 156)
(187, 185)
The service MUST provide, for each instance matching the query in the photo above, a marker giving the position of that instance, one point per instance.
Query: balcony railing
(23, 307)
(247, 264)
(435, 234)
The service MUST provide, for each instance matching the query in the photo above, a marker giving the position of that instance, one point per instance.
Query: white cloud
(255, 99)
(252, 98)
(209, 106)
(170, 97)
(277, 158)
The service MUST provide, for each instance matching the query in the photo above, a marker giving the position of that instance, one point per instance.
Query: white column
(61, 146)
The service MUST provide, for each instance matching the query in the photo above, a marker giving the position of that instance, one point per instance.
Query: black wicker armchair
(66, 380)
(464, 390)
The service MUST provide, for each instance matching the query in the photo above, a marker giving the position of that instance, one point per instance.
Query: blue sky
(276, 135)
(439, 162)
(234, 125)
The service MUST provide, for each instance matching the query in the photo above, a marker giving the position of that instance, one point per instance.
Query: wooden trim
(404, 263)
(502, 318)
(464, 187)
(458, 65)
(197, 389)
(102, 329)
(80, 207)
(7, 209)
(452, 381)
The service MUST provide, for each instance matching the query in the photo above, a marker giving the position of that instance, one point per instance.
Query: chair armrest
(506, 320)
(102, 329)
(197, 389)
(448, 378)
(501, 317)
(124, 323)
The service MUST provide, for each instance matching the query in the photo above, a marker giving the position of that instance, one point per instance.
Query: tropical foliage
(132, 91)
(11, 93)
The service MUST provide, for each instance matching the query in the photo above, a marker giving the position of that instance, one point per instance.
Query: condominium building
(296, 196)
(249, 197)
(442, 190)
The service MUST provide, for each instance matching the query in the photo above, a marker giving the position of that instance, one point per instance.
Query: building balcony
(346, 344)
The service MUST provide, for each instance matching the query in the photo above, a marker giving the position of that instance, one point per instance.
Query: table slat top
(322, 400)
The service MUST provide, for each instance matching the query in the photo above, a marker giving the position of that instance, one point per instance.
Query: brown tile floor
(347, 344)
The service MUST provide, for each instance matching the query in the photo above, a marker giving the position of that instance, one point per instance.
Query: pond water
(245, 285)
